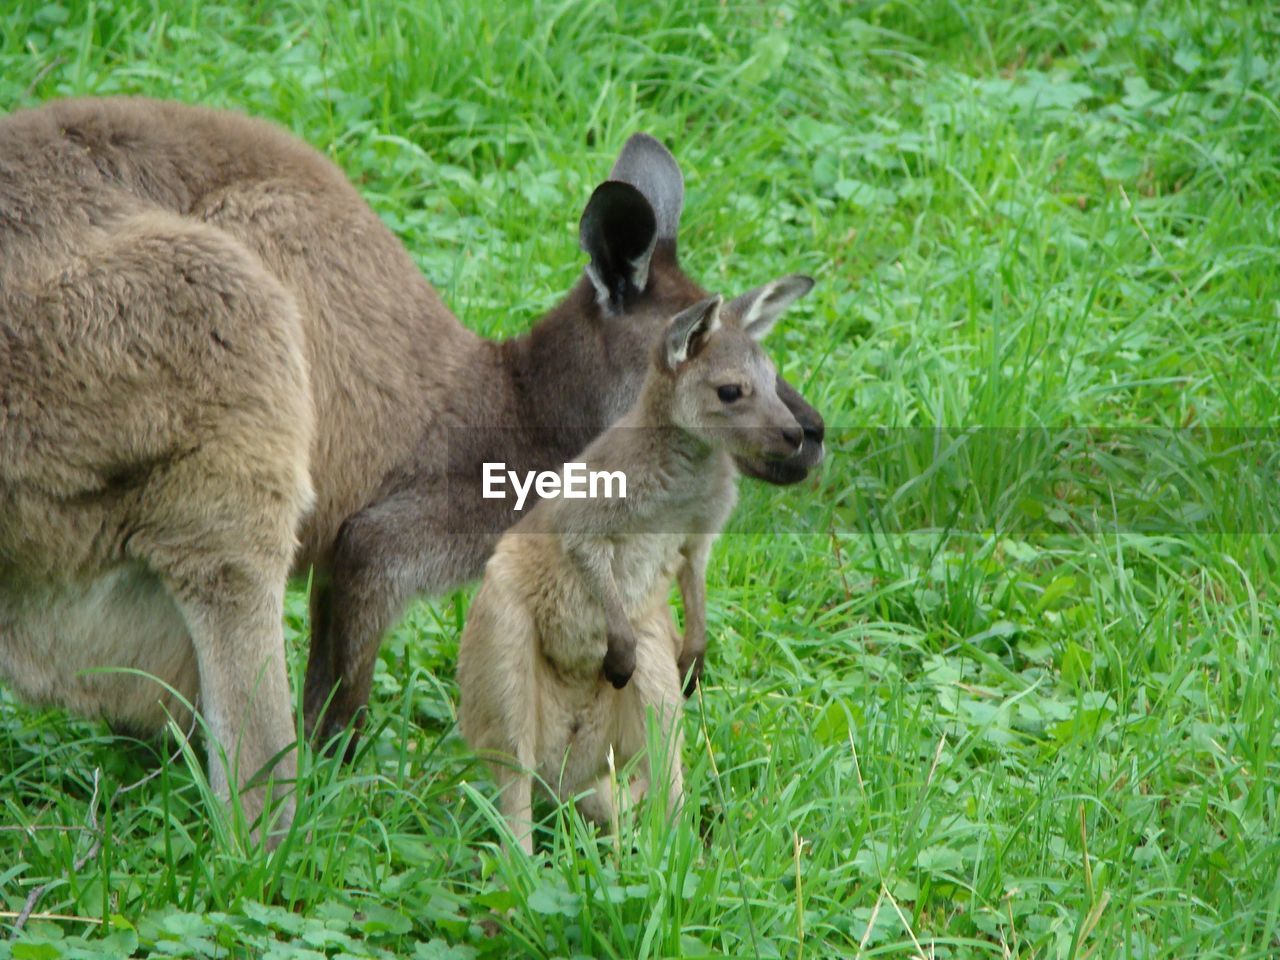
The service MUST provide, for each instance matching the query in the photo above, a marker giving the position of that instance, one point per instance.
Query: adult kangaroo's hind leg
(209, 349)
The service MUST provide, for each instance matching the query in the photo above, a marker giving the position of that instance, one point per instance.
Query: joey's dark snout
(781, 441)
(782, 435)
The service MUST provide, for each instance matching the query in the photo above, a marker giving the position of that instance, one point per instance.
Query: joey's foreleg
(693, 591)
(594, 561)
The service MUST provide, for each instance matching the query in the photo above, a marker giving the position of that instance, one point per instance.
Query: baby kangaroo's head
(723, 386)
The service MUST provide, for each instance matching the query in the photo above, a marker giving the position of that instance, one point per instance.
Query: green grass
(943, 720)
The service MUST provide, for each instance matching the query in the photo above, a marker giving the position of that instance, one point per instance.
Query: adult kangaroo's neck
(525, 405)
(564, 382)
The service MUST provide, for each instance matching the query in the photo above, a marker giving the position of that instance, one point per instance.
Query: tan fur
(569, 645)
(160, 534)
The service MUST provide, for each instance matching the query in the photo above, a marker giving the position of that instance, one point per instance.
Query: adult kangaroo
(218, 366)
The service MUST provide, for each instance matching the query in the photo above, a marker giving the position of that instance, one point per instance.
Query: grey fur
(649, 167)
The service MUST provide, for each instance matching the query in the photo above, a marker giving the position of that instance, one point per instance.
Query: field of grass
(944, 715)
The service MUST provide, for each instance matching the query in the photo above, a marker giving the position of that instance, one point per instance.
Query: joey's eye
(729, 392)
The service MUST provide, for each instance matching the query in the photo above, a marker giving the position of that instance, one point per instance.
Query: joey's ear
(618, 231)
(649, 167)
(689, 329)
(756, 310)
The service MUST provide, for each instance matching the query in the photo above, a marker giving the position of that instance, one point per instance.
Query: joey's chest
(645, 562)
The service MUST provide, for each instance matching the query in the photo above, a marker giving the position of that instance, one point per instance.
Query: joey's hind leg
(598, 805)
(498, 706)
(655, 692)
(515, 800)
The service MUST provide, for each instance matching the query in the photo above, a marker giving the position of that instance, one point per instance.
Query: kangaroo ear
(689, 329)
(758, 309)
(649, 167)
(618, 231)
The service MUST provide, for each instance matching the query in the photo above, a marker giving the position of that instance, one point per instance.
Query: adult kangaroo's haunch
(218, 366)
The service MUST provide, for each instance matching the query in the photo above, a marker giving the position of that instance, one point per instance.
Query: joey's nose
(793, 435)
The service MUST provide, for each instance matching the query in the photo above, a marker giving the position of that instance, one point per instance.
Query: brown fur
(568, 645)
(218, 366)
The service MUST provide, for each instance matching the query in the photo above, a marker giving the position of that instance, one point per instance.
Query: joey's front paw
(619, 662)
(691, 671)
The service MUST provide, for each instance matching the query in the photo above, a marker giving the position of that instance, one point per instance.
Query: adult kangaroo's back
(217, 366)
